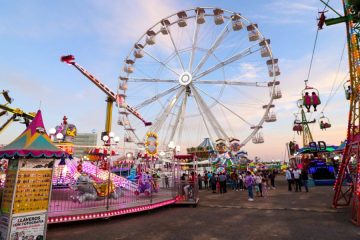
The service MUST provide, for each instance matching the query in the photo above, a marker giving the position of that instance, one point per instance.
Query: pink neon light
(110, 213)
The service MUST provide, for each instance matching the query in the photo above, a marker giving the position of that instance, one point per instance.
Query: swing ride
(347, 184)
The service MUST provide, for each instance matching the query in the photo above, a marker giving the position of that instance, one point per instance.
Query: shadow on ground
(279, 215)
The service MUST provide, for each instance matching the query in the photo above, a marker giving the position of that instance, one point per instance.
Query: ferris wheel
(201, 72)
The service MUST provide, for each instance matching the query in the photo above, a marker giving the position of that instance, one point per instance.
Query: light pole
(60, 137)
(52, 132)
(109, 140)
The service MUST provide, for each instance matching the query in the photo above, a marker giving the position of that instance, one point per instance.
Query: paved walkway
(279, 215)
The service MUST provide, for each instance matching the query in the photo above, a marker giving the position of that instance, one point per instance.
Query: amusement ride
(347, 184)
(190, 73)
(17, 113)
(200, 73)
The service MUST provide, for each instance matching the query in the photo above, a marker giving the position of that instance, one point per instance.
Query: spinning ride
(201, 73)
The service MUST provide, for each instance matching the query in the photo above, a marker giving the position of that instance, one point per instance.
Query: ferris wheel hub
(185, 78)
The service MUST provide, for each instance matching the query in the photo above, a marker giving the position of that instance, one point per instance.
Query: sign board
(151, 143)
(28, 227)
(32, 190)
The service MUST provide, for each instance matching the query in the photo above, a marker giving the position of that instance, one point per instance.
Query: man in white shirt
(289, 179)
(297, 179)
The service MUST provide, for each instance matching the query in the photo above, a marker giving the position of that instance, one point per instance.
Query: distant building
(83, 143)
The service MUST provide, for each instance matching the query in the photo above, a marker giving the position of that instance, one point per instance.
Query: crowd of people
(297, 178)
(261, 181)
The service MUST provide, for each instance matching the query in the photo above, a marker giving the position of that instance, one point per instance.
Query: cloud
(287, 7)
(287, 12)
(122, 22)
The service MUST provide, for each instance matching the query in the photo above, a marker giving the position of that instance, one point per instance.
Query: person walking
(305, 178)
(222, 181)
(240, 182)
(234, 180)
(249, 183)
(258, 180)
(288, 177)
(297, 180)
(166, 181)
(272, 175)
(209, 175)
(206, 181)
(213, 183)
(200, 181)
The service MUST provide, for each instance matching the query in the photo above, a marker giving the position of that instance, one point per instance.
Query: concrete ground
(279, 215)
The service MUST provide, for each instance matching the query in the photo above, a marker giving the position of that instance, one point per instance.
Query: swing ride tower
(306, 133)
(347, 184)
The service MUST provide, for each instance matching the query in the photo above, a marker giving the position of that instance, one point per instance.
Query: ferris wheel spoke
(151, 80)
(194, 41)
(175, 48)
(156, 97)
(161, 62)
(229, 60)
(204, 119)
(181, 122)
(238, 83)
(179, 118)
(212, 120)
(223, 105)
(165, 113)
(213, 47)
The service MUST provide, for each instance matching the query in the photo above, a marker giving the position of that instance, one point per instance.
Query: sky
(101, 34)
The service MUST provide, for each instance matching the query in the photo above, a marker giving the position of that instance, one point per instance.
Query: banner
(28, 227)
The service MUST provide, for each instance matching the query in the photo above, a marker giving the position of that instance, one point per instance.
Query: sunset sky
(34, 34)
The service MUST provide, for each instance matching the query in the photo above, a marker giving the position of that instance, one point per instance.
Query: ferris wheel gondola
(183, 69)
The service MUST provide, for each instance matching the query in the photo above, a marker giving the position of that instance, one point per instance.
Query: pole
(109, 182)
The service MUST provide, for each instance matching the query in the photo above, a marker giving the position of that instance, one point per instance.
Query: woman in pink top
(315, 100)
(307, 101)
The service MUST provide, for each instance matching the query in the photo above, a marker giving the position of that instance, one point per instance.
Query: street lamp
(59, 137)
(52, 132)
(109, 140)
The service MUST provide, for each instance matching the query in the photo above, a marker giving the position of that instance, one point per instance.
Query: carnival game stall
(186, 189)
(318, 162)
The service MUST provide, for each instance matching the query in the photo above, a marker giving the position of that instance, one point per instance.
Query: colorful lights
(118, 212)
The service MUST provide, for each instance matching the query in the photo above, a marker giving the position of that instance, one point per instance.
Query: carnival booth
(317, 160)
(27, 192)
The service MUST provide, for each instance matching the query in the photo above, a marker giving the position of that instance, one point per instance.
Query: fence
(87, 197)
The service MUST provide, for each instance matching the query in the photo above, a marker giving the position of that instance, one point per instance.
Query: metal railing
(92, 197)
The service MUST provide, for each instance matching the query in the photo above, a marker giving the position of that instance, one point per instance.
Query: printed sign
(33, 190)
(28, 227)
